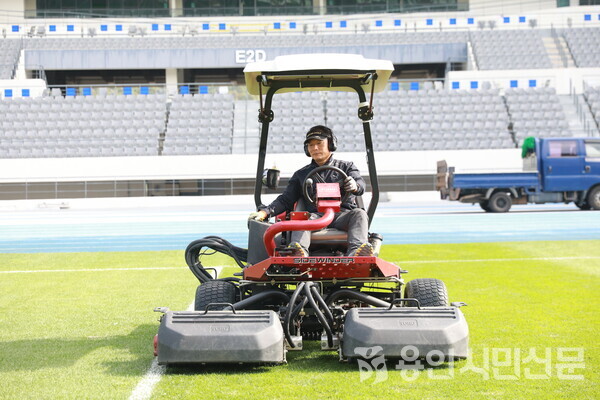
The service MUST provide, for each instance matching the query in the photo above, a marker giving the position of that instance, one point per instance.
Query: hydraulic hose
(250, 301)
(299, 307)
(320, 315)
(194, 251)
(351, 294)
(317, 296)
(288, 315)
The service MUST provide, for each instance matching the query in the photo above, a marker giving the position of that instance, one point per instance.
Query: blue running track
(172, 228)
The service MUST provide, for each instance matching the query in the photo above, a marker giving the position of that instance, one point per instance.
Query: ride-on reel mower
(279, 300)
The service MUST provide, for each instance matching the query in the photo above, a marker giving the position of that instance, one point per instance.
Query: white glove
(350, 185)
(257, 216)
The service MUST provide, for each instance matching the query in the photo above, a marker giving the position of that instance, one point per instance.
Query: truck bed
(494, 180)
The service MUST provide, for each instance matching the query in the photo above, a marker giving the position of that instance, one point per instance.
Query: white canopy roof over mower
(312, 68)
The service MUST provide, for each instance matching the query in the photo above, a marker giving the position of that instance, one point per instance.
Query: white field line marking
(145, 387)
(34, 271)
(498, 260)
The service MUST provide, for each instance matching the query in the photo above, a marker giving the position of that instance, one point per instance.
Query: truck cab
(569, 164)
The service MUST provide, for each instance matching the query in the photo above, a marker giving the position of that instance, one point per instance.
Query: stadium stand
(536, 112)
(295, 112)
(199, 124)
(9, 55)
(509, 49)
(428, 119)
(78, 86)
(81, 126)
(446, 116)
(435, 119)
(592, 95)
(584, 46)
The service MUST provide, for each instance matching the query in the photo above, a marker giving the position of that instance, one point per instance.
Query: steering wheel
(308, 181)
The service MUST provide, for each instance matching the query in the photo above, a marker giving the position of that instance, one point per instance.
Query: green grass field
(80, 325)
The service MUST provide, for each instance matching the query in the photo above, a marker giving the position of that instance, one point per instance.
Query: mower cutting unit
(350, 304)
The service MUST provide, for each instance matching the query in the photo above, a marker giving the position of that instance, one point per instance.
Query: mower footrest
(220, 337)
(403, 331)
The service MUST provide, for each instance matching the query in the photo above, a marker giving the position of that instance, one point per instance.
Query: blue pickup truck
(556, 170)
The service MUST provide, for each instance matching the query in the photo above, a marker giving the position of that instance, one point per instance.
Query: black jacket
(293, 191)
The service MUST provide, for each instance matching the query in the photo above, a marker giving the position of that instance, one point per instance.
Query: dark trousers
(355, 222)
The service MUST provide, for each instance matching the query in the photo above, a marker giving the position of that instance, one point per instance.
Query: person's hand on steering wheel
(350, 185)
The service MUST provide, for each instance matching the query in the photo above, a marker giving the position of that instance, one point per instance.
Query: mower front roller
(228, 336)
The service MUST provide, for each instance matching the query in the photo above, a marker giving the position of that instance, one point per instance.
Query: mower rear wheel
(429, 292)
(214, 292)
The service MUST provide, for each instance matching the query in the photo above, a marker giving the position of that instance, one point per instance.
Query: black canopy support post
(262, 147)
(362, 98)
(372, 171)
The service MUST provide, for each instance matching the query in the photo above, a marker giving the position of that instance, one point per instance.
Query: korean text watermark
(506, 364)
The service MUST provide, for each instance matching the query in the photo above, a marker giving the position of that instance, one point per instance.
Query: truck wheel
(499, 202)
(485, 205)
(214, 292)
(583, 206)
(593, 198)
(429, 292)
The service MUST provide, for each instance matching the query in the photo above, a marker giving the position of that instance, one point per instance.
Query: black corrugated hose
(320, 316)
(194, 251)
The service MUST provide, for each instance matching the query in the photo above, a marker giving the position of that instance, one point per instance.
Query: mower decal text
(323, 260)
(408, 322)
(220, 328)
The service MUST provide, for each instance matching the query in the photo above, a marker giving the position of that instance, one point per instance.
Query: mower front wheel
(429, 292)
(214, 292)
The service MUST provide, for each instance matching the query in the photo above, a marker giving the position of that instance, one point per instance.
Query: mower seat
(329, 236)
(325, 236)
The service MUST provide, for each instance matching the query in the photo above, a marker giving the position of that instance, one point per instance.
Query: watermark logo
(373, 363)
(563, 363)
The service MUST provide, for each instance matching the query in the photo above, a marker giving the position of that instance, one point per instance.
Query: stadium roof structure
(318, 72)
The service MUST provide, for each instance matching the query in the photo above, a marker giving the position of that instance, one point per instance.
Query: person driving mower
(320, 143)
(276, 302)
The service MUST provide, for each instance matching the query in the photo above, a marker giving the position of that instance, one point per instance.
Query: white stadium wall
(242, 166)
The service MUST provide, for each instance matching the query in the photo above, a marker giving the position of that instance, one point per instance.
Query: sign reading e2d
(248, 56)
